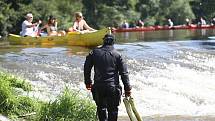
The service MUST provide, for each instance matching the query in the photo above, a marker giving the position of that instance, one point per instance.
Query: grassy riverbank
(12, 104)
(67, 106)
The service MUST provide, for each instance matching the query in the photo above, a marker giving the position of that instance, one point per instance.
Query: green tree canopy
(102, 13)
(203, 8)
(158, 11)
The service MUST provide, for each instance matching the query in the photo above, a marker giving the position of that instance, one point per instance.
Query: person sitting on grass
(80, 25)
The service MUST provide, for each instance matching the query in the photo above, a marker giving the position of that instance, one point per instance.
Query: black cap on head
(108, 39)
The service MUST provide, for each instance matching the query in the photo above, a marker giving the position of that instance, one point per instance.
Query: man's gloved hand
(128, 93)
(89, 86)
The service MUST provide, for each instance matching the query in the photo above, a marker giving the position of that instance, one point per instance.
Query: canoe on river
(72, 38)
(155, 28)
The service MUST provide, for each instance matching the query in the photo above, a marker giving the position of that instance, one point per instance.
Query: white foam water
(177, 80)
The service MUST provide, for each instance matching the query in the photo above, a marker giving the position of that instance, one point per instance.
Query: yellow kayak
(72, 38)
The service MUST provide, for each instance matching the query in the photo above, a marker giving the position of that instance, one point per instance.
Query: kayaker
(140, 24)
(106, 89)
(187, 22)
(213, 22)
(202, 21)
(28, 28)
(125, 24)
(170, 23)
(80, 24)
(51, 28)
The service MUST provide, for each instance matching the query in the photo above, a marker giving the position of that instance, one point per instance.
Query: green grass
(69, 106)
(15, 82)
(11, 103)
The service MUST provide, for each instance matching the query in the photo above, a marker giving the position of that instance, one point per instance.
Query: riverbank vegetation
(68, 106)
(13, 104)
(103, 13)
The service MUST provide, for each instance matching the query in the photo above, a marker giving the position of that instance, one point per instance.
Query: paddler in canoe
(92, 38)
(29, 28)
(51, 28)
(80, 25)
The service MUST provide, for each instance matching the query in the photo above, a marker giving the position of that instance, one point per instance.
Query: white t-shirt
(29, 31)
(203, 22)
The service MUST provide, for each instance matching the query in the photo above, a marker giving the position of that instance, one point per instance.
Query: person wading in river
(106, 90)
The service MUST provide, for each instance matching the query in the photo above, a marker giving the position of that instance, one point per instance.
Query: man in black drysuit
(106, 90)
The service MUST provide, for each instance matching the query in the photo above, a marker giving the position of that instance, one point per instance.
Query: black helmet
(108, 39)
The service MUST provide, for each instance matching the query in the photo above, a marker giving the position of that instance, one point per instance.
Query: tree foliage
(203, 8)
(158, 11)
(102, 13)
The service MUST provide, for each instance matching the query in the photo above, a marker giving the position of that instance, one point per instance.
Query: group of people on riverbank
(170, 23)
(51, 27)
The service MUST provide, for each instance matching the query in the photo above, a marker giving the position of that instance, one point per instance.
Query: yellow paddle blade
(131, 101)
(128, 109)
(14, 35)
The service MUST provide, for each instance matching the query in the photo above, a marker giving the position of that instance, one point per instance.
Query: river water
(172, 72)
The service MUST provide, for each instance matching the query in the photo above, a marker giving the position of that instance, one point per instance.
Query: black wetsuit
(108, 65)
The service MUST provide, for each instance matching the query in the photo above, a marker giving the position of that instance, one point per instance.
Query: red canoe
(155, 28)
